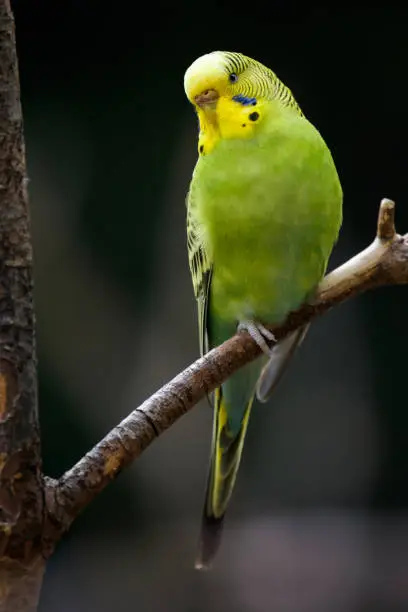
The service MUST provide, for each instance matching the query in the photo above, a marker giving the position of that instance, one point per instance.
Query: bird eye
(233, 78)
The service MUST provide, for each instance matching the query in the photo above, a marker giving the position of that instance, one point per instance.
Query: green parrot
(264, 210)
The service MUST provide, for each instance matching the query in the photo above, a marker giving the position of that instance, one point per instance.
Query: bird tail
(282, 354)
(226, 451)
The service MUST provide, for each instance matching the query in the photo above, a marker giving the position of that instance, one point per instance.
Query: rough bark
(384, 262)
(21, 486)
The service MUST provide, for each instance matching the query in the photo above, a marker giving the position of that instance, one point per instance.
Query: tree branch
(21, 484)
(384, 262)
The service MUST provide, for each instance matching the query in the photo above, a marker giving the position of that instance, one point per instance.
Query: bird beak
(207, 99)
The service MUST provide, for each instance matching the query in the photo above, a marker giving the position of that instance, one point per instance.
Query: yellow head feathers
(207, 72)
(232, 94)
(236, 76)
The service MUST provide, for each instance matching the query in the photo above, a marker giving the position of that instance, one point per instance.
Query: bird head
(219, 74)
(224, 87)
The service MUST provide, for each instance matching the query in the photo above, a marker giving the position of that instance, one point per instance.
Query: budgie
(264, 210)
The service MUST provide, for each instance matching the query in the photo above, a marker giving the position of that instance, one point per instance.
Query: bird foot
(260, 334)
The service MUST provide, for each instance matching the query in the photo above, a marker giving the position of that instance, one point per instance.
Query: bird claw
(260, 334)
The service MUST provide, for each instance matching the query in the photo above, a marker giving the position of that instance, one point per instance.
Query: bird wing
(201, 270)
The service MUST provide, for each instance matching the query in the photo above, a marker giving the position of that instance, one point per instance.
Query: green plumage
(263, 214)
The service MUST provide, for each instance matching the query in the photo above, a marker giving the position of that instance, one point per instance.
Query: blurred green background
(319, 518)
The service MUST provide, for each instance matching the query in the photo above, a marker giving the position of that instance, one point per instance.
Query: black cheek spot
(254, 116)
(244, 125)
(201, 148)
(254, 103)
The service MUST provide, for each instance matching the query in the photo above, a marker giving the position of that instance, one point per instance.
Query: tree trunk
(21, 482)
(20, 585)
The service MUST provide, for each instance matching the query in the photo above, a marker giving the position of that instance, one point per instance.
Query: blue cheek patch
(244, 100)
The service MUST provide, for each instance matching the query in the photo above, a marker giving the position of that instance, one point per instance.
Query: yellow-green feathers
(227, 450)
(225, 458)
(263, 213)
(232, 74)
(200, 268)
(226, 117)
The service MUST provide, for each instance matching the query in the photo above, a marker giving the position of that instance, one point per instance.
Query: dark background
(319, 518)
